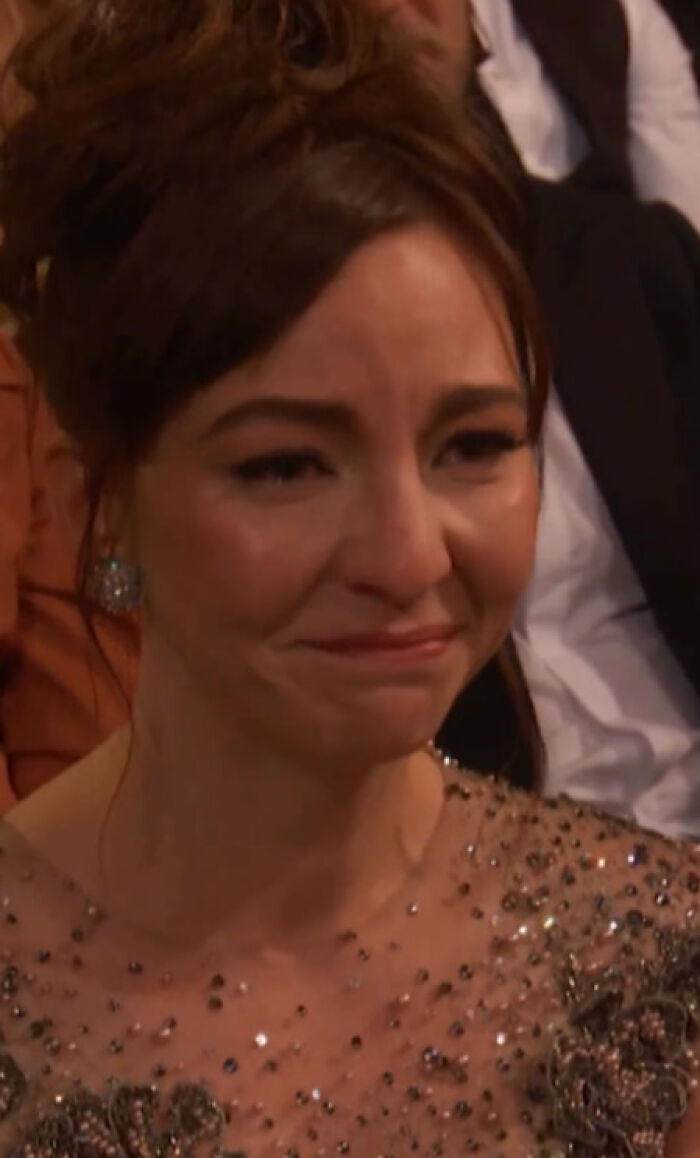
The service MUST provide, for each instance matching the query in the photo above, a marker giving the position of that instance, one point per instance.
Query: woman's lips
(425, 640)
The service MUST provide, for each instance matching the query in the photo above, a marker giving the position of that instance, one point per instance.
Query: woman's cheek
(496, 550)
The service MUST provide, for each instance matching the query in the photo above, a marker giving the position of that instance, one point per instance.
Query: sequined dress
(532, 991)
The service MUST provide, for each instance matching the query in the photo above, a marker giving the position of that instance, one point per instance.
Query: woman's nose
(396, 546)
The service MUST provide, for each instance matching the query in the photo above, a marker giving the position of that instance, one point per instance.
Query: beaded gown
(532, 991)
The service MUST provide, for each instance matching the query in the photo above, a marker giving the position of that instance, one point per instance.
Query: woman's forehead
(410, 303)
(407, 321)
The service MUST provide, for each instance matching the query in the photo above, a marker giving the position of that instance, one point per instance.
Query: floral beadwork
(619, 1078)
(129, 1122)
(13, 1086)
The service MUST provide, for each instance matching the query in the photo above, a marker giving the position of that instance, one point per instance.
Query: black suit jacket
(582, 44)
(619, 284)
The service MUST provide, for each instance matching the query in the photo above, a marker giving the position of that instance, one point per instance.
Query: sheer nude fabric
(469, 1016)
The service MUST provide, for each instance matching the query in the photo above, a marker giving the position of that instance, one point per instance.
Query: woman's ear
(72, 505)
(66, 489)
(114, 531)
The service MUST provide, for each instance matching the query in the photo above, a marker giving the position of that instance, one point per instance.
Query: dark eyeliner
(279, 466)
(476, 444)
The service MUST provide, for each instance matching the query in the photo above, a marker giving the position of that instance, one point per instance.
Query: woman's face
(334, 538)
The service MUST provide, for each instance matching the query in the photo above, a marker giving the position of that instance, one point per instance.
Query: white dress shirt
(620, 721)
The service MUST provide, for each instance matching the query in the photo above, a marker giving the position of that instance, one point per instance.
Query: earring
(115, 585)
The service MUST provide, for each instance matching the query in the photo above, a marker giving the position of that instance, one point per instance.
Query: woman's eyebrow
(470, 399)
(328, 415)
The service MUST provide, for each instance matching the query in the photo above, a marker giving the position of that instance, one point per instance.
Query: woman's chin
(382, 736)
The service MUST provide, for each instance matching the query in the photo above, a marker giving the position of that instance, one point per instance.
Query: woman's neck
(210, 829)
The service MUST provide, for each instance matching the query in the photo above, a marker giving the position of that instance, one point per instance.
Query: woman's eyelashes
(287, 468)
(281, 468)
(480, 447)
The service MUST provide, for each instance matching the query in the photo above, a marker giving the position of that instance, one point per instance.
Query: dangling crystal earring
(115, 585)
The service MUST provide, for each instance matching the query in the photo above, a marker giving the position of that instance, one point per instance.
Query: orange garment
(58, 699)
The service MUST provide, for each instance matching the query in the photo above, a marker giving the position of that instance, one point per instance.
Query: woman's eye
(479, 446)
(281, 468)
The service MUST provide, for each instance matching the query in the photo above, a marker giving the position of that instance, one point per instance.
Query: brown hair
(188, 175)
(189, 179)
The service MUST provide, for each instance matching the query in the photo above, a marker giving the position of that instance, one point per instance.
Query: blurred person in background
(58, 697)
(15, 18)
(601, 103)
